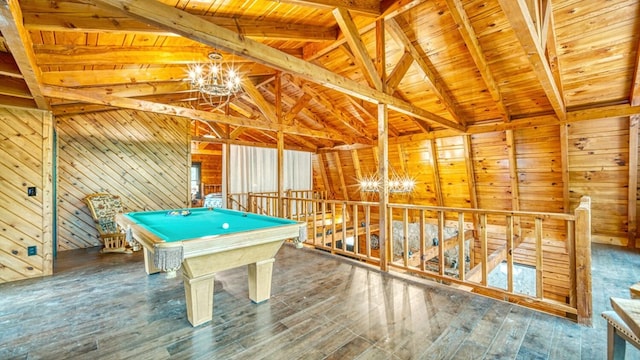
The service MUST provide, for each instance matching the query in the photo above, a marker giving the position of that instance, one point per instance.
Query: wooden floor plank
(103, 306)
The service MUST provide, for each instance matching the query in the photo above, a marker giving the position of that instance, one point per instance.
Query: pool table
(204, 241)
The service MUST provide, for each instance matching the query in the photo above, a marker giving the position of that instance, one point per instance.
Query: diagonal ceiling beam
(525, 30)
(551, 46)
(473, 45)
(398, 72)
(141, 105)
(300, 104)
(266, 108)
(20, 45)
(634, 97)
(344, 118)
(194, 28)
(359, 50)
(391, 8)
(433, 78)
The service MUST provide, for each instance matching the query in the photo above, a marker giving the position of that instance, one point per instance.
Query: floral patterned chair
(104, 208)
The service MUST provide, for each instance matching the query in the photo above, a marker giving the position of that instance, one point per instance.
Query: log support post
(583, 260)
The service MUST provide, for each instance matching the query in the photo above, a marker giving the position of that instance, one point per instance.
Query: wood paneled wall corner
(142, 157)
(26, 160)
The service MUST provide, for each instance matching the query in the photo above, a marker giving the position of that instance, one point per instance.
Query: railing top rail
(537, 214)
(545, 215)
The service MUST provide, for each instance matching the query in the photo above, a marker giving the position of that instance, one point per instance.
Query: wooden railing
(553, 247)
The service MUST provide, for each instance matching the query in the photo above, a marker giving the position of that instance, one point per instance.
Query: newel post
(583, 260)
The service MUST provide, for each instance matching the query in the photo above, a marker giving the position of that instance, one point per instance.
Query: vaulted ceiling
(317, 69)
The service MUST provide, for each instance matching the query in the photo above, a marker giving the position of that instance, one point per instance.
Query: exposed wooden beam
(111, 77)
(19, 43)
(392, 83)
(211, 140)
(316, 50)
(359, 50)
(525, 30)
(343, 184)
(112, 55)
(259, 101)
(477, 54)
(300, 104)
(109, 100)
(371, 118)
(307, 144)
(192, 27)
(141, 89)
(634, 96)
(552, 49)
(76, 78)
(307, 117)
(399, 71)
(364, 7)
(433, 79)
(435, 168)
(340, 114)
(115, 23)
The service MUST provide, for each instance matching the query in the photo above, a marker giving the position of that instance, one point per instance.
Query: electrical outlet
(31, 191)
(32, 250)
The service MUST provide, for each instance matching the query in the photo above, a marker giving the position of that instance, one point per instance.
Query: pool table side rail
(206, 244)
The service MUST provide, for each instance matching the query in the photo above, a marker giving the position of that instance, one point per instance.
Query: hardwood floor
(103, 306)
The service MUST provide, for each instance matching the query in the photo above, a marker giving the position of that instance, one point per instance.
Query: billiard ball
(225, 226)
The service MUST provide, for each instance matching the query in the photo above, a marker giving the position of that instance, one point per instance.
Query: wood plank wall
(26, 144)
(140, 156)
(598, 167)
(210, 166)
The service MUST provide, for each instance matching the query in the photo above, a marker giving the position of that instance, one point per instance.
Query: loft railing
(425, 240)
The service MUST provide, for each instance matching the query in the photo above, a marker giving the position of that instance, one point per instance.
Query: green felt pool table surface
(202, 222)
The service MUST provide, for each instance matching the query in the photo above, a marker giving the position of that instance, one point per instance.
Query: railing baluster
(509, 239)
(539, 253)
(483, 248)
(423, 241)
(462, 260)
(405, 237)
(356, 227)
(441, 243)
(571, 250)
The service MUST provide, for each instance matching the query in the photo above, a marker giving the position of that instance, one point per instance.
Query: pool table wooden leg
(149, 267)
(260, 280)
(199, 298)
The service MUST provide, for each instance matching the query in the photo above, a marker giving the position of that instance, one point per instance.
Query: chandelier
(397, 184)
(214, 80)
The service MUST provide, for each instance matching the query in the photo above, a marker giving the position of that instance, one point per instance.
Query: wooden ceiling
(317, 69)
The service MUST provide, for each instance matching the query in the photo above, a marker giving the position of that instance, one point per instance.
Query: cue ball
(225, 226)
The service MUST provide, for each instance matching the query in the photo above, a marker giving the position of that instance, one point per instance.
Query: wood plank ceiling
(316, 69)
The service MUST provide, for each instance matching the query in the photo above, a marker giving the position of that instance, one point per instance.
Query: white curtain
(297, 170)
(254, 169)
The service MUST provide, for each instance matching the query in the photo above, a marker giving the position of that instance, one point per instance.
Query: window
(195, 181)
